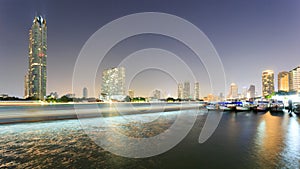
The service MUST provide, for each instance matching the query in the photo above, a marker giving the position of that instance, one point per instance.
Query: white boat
(212, 106)
(262, 106)
(227, 106)
(242, 106)
(276, 106)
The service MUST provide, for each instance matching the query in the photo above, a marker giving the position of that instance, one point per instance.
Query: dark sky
(249, 36)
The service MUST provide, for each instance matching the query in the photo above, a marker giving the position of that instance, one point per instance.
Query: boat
(212, 106)
(227, 106)
(261, 106)
(276, 106)
(242, 106)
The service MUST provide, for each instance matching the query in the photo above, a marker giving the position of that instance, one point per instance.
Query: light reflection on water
(242, 140)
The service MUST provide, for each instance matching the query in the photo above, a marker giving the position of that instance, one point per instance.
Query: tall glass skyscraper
(36, 78)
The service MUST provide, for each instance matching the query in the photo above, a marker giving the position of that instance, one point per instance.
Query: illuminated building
(294, 79)
(267, 82)
(113, 82)
(251, 92)
(26, 86)
(131, 93)
(186, 90)
(283, 81)
(85, 93)
(180, 90)
(196, 90)
(233, 91)
(156, 94)
(36, 78)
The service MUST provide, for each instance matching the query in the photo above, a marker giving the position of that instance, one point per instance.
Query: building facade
(186, 90)
(156, 94)
(283, 81)
(197, 91)
(36, 77)
(84, 93)
(180, 90)
(267, 82)
(233, 91)
(113, 81)
(251, 92)
(131, 93)
(294, 79)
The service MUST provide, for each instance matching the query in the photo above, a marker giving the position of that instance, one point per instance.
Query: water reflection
(277, 142)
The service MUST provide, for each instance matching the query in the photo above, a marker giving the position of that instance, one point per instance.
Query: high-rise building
(196, 91)
(186, 90)
(85, 93)
(294, 79)
(180, 91)
(113, 81)
(283, 81)
(233, 91)
(26, 86)
(267, 82)
(131, 93)
(251, 92)
(156, 94)
(36, 78)
(244, 92)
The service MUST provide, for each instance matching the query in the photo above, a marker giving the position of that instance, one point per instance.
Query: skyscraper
(196, 90)
(294, 79)
(113, 81)
(156, 94)
(36, 77)
(283, 81)
(180, 91)
(186, 90)
(85, 93)
(233, 91)
(267, 82)
(131, 93)
(251, 92)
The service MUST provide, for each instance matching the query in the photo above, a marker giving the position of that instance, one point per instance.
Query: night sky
(249, 36)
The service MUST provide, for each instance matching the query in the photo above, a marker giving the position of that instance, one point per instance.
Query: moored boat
(242, 106)
(276, 106)
(261, 106)
(212, 106)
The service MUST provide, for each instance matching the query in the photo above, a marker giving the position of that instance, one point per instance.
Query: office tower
(283, 81)
(251, 92)
(156, 94)
(180, 91)
(267, 82)
(85, 93)
(196, 90)
(113, 81)
(26, 86)
(131, 93)
(244, 92)
(294, 79)
(37, 70)
(186, 90)
(233, 91)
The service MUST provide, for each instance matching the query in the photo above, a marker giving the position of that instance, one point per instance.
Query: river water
(242, 140)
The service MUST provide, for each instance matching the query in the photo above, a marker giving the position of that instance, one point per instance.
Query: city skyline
(266, 39)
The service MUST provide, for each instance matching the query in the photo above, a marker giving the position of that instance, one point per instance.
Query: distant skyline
(249, 37)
